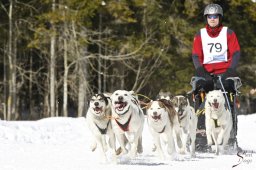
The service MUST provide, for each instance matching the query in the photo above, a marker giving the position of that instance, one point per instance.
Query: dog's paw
(154, 148)
(192, 155)
(132, 154)
(161, 155)
(121, 151)
(93, 146)
(140, 150)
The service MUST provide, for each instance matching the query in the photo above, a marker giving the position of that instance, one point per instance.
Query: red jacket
(233, 51)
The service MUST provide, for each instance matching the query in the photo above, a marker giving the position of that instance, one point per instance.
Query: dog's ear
(174, 101)
(131, 92)
(88, 102)
(185, 101)
(105, 97)
(167, 103)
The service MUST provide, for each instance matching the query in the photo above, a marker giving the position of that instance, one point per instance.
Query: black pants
(210, 85)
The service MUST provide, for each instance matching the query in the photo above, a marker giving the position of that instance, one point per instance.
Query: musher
(215, 55)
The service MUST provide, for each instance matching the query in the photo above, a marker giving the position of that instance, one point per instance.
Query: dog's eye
(125, 94)
(116, 94)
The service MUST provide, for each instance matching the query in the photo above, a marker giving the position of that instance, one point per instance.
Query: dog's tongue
(216, 105)
(156, 117)
(97, 109)
(118, 105)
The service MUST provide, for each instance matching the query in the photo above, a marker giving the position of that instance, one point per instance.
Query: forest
(54, 54)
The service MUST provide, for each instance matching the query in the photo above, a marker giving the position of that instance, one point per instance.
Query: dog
(188, 122)
(163, 125)
(98, 120)
(128, 122)
(218, 120)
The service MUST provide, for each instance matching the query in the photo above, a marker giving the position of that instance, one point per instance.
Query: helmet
(213, 9)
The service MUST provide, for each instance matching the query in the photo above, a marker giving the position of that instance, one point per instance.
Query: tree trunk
(81, 92)
(10, 70)
(52, 70)
(65, 81)
(82, 74)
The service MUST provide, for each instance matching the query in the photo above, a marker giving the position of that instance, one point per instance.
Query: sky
(62, 143)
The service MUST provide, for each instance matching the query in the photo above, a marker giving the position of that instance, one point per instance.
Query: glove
(201, 72)
(229, 73)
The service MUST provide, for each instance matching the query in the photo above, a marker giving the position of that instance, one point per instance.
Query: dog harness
(162, 131)
(102, 131)
(124, 127)
(216, 123)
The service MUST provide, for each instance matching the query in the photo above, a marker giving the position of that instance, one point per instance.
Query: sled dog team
(172, 124)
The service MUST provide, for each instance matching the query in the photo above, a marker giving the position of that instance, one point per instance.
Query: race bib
(214, 49)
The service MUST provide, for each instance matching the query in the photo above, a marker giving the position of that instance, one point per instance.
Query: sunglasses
(212, 16)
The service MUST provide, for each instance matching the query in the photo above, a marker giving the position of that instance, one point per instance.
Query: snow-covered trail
(64, 144)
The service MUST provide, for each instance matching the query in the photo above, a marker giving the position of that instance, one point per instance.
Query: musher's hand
(201, 72)
(229, 73)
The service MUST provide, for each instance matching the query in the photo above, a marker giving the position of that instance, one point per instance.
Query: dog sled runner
(198, 101)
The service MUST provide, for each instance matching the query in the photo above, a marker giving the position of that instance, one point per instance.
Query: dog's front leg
(208, 131)
(171, 145)
(178, 135)
(122, 142)
(133, 140)
(214, 137)
(112, 144)
(104, 143)
(220, 136)
(158, 146)
(93, 146)
(192, 133)
(99, 140)
(184, 139)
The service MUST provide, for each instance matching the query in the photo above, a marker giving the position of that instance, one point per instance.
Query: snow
(64, 144)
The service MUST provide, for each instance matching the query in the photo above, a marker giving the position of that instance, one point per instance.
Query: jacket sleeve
(197, 51)
(234, 49)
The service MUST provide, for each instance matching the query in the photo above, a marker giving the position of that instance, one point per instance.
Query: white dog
(164, 126)
(188, 122)
(98, 120)
(128, 121)
(218, 120)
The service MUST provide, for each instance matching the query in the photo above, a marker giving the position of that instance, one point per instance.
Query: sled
(198, 104)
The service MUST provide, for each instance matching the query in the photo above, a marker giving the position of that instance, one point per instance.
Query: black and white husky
(99, 123)
(128, 121)
(187, 120)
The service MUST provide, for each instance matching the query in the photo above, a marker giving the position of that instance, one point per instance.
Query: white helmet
(213, 9)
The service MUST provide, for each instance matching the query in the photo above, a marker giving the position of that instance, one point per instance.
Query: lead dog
(188, 122)
(218, 120)
(98, 120)
(128, 121)
(164, 125)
